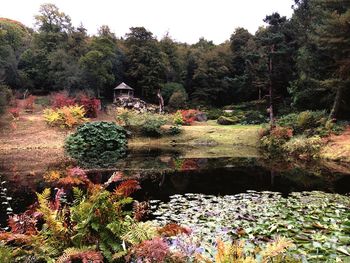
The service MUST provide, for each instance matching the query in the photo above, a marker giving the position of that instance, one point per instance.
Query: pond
(185, 185)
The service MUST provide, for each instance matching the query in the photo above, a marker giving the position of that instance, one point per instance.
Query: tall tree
(145, 64)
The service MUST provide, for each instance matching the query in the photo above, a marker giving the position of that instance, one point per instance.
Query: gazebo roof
(123, 86)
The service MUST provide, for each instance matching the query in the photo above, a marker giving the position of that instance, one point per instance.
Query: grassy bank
(31, 132)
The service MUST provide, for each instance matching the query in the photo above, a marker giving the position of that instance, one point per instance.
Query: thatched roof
(123, 86)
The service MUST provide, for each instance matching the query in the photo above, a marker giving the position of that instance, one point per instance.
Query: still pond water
(166, 172)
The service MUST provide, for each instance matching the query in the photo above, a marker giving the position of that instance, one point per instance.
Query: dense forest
(298, 63)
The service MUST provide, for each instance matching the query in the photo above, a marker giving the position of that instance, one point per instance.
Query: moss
(222, 120)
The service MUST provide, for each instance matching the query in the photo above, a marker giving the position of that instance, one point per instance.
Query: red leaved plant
(173, 229)
(127, 187)
(154, 250)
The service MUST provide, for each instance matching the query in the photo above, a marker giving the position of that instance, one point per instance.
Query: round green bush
(97, 144)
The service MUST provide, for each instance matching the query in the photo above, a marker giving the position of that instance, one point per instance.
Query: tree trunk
(336, 103)
(161, 101)
(272, 119)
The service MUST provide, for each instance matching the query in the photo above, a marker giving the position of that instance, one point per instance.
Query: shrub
(305, 122)
(214, 114)
(5, 97)
(304, 148)
(152, 125)
(222, 120)
(43, 101)
(273, 140)
(29, 103)
(188, 117)
(178, 100)
(97, 143)
(91, 105)
(62, 99)
(14, 112)
(178, 118)
(174, 130)
(66, 117)
(170, 88)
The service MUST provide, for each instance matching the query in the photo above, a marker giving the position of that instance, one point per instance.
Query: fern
(83, 254)
(140, 231)
(53, 218)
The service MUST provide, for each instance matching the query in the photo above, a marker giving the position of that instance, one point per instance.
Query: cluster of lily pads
(318, 223)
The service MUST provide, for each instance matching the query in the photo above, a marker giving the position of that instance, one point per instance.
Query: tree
(145, 68)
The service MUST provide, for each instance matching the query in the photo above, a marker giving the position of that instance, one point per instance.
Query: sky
(185, 20)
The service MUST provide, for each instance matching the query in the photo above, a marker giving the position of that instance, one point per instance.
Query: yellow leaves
(279, 246)
(65, 117)
(52, 176)
(236, 252)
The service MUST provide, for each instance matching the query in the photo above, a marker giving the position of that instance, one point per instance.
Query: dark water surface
(165, 172)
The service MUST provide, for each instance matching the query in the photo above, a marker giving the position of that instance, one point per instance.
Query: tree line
(302, 62)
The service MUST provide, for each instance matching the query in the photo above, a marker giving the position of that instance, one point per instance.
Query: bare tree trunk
(272, 119)
(161, 101)
(336, 103)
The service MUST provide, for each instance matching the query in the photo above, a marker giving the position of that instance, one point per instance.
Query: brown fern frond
(127, 187)
(173, 229)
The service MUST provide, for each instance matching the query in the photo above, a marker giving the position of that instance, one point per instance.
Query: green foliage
(5, 97)
(146, 124)
(174, 130)
(97, 143)
(6, 254)
(152, 126)
(178, 100)
(178, 120)
(214, 113)
(308, 123)
(170, 88)
(303, 148)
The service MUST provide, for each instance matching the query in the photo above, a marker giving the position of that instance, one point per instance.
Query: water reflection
(164, 172)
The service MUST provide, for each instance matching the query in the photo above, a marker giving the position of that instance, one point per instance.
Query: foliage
(187, 117)
(91, 105)
(152, 126)
(273, 140)
(178, 120)
(154, 250)
(65, 117)
(147, 124)
(214, 113)
(81, 255)
(29, 103)
(170, 88)
(5, 97)
(178, 100)
(97, 143)
(174, 130)
(14, 112)
(61, 99)
(222, 120)
(303, 148)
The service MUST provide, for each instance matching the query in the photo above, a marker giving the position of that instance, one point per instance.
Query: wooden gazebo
(123, 91)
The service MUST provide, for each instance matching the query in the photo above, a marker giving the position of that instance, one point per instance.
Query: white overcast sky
(185, 20)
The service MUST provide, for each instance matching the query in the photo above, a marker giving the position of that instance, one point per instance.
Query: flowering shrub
(66, 117)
